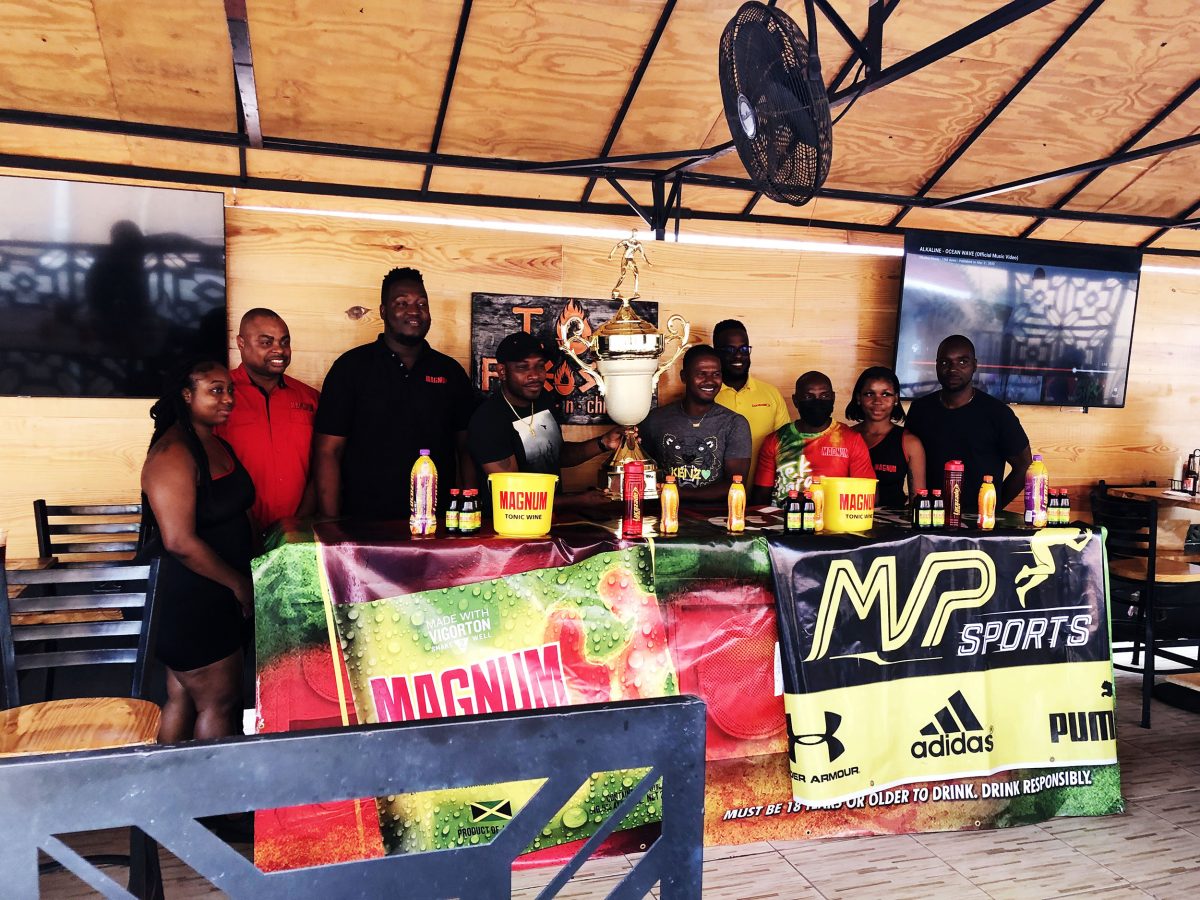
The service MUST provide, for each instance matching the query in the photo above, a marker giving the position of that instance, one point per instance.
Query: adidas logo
(951, 733)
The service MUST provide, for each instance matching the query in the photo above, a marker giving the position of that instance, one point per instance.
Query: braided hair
(170, 409)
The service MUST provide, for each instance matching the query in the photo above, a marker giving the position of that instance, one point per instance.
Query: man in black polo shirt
(962, 422)
(517, 429)
(382, 403)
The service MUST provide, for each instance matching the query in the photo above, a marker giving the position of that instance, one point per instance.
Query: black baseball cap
(522, 345)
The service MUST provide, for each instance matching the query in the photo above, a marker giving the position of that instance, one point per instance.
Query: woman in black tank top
(195, 500)
(896, 455)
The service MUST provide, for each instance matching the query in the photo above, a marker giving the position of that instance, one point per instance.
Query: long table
(457, 625)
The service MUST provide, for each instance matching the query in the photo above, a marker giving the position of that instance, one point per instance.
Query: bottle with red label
(634, 486)
(952, 492)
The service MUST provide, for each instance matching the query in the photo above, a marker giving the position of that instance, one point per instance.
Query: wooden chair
(88, 534)
(1152, 589)
(49, 623)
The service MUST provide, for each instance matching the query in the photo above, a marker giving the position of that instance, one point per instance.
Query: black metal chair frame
(95, 588)
(48, 532)
(1131, 532)
(165, 790)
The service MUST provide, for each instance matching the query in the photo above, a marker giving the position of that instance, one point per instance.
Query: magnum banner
(936, 657)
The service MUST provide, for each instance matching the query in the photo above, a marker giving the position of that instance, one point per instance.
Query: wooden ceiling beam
(639, 73)
(1134, 139)
(1184, 220)
(460, 36)
(994, 113)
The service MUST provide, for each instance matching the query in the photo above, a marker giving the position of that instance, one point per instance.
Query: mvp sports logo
(930, 603)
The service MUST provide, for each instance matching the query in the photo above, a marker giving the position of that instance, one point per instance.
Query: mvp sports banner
(937, 657)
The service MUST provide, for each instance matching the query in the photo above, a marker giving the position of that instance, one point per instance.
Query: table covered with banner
(909, 681)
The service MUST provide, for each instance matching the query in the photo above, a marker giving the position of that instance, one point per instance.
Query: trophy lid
(626, 322)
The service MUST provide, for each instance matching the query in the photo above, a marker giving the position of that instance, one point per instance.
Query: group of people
(219, 472)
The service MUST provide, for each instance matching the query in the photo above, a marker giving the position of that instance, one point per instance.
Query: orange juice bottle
(818, 492)
(737, 506)
(987, 504)
(668, 504)
(422, 496)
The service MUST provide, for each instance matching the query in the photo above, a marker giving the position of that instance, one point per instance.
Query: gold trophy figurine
(627, 348)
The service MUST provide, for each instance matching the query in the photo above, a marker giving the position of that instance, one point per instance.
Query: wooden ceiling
(418, 99)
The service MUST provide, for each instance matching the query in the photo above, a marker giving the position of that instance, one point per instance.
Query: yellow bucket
(849, 503)
(522, 503)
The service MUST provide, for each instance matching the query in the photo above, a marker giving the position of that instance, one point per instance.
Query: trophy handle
(681, 339)
(565, 340)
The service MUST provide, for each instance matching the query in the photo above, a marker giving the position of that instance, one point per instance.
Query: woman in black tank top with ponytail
(896, 454)
(195, 497)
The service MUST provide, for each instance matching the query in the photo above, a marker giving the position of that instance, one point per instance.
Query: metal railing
(164, 790)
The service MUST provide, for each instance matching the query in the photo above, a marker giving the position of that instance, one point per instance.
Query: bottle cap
(937, 493)
(954, 465)
(793, 493)
(670, 479)
(454, 492)
(923, 493)
(808, 495)
(987, 479)
(816, 479)
(737, 479)
(635, 467)
(425, 452)
(1037, 456)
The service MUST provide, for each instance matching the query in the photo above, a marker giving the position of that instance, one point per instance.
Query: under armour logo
(836, 748)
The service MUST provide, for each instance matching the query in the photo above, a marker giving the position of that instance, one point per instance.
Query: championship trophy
(627, 348)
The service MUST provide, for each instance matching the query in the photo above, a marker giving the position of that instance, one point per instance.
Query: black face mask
(815, 411)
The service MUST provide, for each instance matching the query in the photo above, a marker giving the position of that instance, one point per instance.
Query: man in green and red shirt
(812, 445)
(271, 426)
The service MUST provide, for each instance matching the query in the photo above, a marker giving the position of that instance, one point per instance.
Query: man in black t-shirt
(382, 403)
(517, 429)
(962, 422)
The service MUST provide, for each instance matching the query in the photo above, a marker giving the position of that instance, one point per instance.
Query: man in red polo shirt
(271, 425)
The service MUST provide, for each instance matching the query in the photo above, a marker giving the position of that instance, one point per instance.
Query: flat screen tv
(1052, 322)
(104, 287)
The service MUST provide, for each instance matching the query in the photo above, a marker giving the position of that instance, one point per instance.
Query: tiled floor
(1151, 851)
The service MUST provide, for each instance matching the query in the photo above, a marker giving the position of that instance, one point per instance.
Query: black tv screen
(1052, 322)
(105, 287)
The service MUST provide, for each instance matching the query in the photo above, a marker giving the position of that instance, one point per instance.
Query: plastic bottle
(1064, 507)
(737, 506)
(924, 511)
(987, 504)
(633, 484)
(422, 496)
(938, 517)
(452, 510)
(1037, 491)
(808, 513)
(818, 492)
(668, 502)
(469, 516)
(793, 513)
(952, 480)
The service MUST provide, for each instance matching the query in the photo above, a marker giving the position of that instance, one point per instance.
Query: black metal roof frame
(614, 169)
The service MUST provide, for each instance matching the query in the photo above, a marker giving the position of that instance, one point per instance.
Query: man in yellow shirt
(761, 403)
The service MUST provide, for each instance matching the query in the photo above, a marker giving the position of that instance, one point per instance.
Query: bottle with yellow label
(818, 493)
(987, 504)
(422, 496)
(668, 505)
(737, 506)
(1037, 493)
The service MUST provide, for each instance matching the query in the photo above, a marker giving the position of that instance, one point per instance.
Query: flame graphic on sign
(579, 343)
(564, 379)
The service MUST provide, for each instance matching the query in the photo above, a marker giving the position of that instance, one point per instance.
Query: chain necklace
(700, 421)
(532, 410)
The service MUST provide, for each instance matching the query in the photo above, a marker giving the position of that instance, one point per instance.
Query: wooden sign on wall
(495, 316)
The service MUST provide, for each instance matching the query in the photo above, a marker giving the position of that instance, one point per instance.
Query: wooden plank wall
(832, 312)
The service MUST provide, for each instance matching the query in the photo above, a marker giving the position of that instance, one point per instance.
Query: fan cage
(765, 58)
